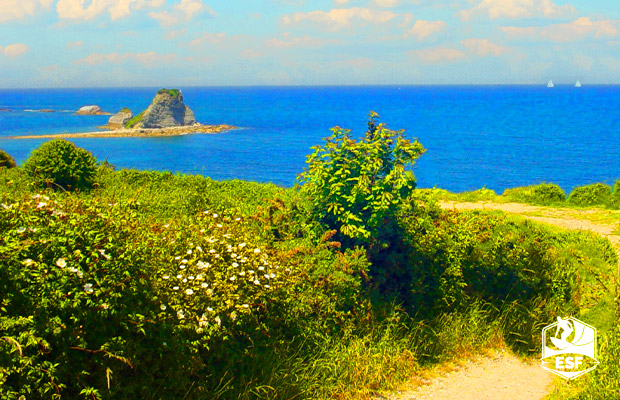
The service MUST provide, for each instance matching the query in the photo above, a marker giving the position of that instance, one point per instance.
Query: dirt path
(565, 218)
(503, 375)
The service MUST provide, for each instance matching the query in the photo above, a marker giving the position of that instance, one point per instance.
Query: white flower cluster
(220, 277)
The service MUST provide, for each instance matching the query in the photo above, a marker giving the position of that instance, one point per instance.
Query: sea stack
(119, 119)
(166, 110)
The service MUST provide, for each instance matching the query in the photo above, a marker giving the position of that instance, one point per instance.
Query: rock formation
(91, 110)
(166, 110)
(119, 119)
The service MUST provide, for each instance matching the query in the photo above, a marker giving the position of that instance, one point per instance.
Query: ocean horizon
(494, 136)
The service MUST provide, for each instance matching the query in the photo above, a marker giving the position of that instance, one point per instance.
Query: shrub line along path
(503, 375)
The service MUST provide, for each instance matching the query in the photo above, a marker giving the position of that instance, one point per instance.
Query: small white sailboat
(550, 84)
(578, 84)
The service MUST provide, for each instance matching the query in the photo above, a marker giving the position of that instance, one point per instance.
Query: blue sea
(477, 136)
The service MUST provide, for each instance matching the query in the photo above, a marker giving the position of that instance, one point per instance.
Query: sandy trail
(503, 375)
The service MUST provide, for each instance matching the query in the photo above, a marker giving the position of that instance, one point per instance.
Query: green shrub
(356, 186)
(6, 160)
(60, 164)
(483, 194)
(590, 195)
(541, 194)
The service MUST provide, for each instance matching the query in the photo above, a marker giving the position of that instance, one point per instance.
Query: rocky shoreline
(139, 132)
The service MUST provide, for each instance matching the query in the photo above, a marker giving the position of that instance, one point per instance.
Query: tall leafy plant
(356, 186)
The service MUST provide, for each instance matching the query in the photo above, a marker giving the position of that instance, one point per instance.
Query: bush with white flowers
(219, 277)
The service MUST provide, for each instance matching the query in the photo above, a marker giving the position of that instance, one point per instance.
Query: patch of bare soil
(501, 376)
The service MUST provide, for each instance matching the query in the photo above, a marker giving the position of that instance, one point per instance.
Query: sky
(112, 43)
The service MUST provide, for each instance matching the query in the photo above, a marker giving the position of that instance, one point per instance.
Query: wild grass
(543, 194)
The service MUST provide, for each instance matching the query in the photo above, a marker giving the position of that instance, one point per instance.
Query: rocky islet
(165, 111)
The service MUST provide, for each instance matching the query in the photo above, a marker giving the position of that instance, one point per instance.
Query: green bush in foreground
(356, 186)
(60, 164)
(6, 160)
(590, 195)
(542, 194)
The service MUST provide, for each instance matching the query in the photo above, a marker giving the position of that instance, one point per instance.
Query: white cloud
(517, 9)
(78, 10)
(14, 50)
(208, 38)
(438, 55)
(290, 42)
(422, 29)
(18, 9)
(339, 18)
(149, 58)
(578, 29)
(182, 12)
(483, 47)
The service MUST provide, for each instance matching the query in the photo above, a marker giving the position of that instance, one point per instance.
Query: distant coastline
(141, 132)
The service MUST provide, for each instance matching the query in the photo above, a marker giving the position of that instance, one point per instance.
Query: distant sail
(550, 84)
(578, 84)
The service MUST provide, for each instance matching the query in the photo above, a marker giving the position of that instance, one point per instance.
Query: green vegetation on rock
(174, 93)
(134, 121)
